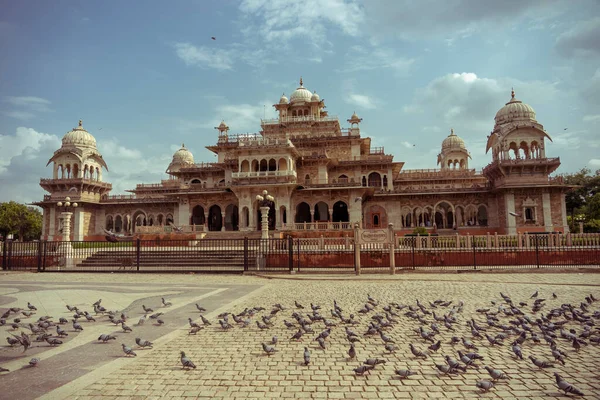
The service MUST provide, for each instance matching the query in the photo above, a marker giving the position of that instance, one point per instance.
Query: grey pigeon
(496, 373)
(363, 369)
(416, 352)
(53, 341)
(186, 362)
(404, 373)
(159, 322)
(12, 341)
(540, 363)
(566, 386)
(306, 356)
(445, 369)
(125, 327)
(128, 350)
(143, 343)
(374, 361)
(204, 320)
(34, 362)
(484, 385)
(147, 309)
(31, 306)
(77, 326)
(517, 350)
(201, 309)
(195, 330)
(142, 320)
(165, 303)
(61, 332)
(268, 349)
(352, 351)
(274, 340)
(105, 338)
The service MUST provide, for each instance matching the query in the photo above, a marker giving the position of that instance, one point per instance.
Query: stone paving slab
(231, 364)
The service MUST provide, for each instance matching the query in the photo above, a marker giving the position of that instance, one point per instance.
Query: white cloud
(22, 115)
(20, 143)
(205, 57)
(29, 102)
(594, 163)
(359, 58)
(362, 101)
(408, 145)
(582, 39)
(284, 20)
(591, 118)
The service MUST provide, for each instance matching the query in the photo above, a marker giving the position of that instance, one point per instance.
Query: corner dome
(283, 99)
(453, 142)
(183, 156)
(315, 97)
(301, 94)
(79, 137)
(515, 110)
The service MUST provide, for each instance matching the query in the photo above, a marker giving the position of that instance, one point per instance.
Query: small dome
(300, 94)
(223, 126)
(183, 156)
(453, 142)
(315, 97)
(354, 116)
(514, 110)
(283, 99)
(79, 137)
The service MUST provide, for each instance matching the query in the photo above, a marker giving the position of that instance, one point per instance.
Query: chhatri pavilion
(324, 178)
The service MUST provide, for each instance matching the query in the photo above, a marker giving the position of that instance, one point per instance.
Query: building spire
(451, 131)
(512, 93)
(300, 81)
(80, 123)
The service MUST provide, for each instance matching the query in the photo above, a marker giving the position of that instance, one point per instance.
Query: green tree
(20, 220)
(584, 199)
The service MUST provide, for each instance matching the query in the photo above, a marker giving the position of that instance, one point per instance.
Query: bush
(420, 230)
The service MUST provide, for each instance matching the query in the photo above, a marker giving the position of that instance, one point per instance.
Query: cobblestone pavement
(231, 363)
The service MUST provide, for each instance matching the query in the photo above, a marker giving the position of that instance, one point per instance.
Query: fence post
(537, 251)
(474, 255)
(39, 256)
(298, 242)
(356, 250)
(291, 254)
(392, 239)
(137, 253)
(246, 254)
(413, 251)
(45, 253)
(9, 255)
(4, 254)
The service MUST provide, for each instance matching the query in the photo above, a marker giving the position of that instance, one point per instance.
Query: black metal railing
(285, 255)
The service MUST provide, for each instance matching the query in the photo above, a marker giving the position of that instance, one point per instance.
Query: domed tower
(181, 158)
(77, 174)
(520, 169)
(302, 104)
(454, 154)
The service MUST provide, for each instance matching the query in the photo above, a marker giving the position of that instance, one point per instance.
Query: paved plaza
(231, 363)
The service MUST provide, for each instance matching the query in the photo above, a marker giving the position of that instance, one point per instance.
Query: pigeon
(12, 341)
(34, 362)
(390, 347)
(533, 296)
(2, 369)
(201, 309)
(159, 322)
(53, 342)
(274, 340)
(125, 327)
(31, 306)
(195, 330)
(186, 362)
(517, 350)
(445, 369)
(147, 309)
(142, 320)
(352, 352)
(416, 352)
(306, 356)
(496, 373)
(363, 369)
(128, 350)
(156, 315)
(435, 346)
(298, 305)
(76, 326)
(204, 320)
(297, 335)
(484, 385)
(165, 303)
(374, 361)
(404, 373)
(566, 386)
(268, 349)
(104, 338)
(143, 343)
(540, 363)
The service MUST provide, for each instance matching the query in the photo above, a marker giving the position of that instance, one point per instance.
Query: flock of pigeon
(523, 326)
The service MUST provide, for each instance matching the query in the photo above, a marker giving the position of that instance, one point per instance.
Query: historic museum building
(324, 178)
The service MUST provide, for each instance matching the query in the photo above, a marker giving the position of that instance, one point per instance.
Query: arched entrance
(215, 220)
(139, 219)
(198, 216)
(302, 213)
(245, 217)
(109, 223)
(374, 179)
(482, 217)
(321, 212)
(231, 218)
(118, 224)
(340, 212)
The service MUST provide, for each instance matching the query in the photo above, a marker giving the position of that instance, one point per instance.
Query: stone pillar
(52, 224)
(563, 211)
(547, 210)
(66, 231)
(205, 227)
(355, 209)
(78, 223)
(182, 216)
(223, 214)
(100, 221)
(264, 223)
(392, 248)
(66, 249)
(509, 206)
(312, 215)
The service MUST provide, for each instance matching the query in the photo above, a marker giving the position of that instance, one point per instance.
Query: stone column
(52, 224)
(78, 223)
(547, 210)
(509, 206)
(182, 216)
(563, 211)
(223, 214)
(264, 223)
(66, 231)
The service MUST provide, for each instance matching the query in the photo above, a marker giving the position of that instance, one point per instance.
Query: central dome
(301, 94)
(453, 142)
(79, 137)
(515, 110)
(183, 156)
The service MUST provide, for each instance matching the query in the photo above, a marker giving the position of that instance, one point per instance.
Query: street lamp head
(259, 197)
(67, 199)
(74, 204)
(60, 204)
(67, 203)
(270, 198)
(265, 192)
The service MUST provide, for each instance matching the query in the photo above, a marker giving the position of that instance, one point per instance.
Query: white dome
(283, 99)
(79, 137)
(183, 156)
(300, 94)
(453, 142)
(315, 97)
(515, 110)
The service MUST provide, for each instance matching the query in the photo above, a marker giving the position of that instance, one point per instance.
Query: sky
(146, 76)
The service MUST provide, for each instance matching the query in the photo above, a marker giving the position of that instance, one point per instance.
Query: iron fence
(288, 255)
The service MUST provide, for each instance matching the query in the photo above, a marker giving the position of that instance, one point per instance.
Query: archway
(302, 213)
(263, 165)
(482, 216)
(231, 218)
(118, 224)
(283, 164)
(272, 165)
(245, 167)
(109, 223)
(139, 219)
(215, 220)
(374, 179)
(340, 212)
(321, 212)
(196, 181)
(283, 215)
(254, 165)
(169, 219)
(376, 217)
(198, 215)
(245, 217)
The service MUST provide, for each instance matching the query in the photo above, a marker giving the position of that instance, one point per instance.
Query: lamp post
(66, 214)
(580, 218)
(264, 202)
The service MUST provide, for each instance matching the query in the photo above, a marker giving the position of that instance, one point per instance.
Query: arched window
(374, 179)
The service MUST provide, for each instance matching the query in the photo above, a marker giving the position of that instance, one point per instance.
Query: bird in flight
(514, 214)
(213, 38)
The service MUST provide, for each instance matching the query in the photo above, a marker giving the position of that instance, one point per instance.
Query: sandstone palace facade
(324, 179)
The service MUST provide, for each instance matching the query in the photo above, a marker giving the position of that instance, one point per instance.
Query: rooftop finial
(451, 131)
(512, 93)
(300, 81)
(80, 123)
(183, 145)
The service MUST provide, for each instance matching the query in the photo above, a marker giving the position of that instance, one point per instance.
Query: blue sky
(145, 76)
